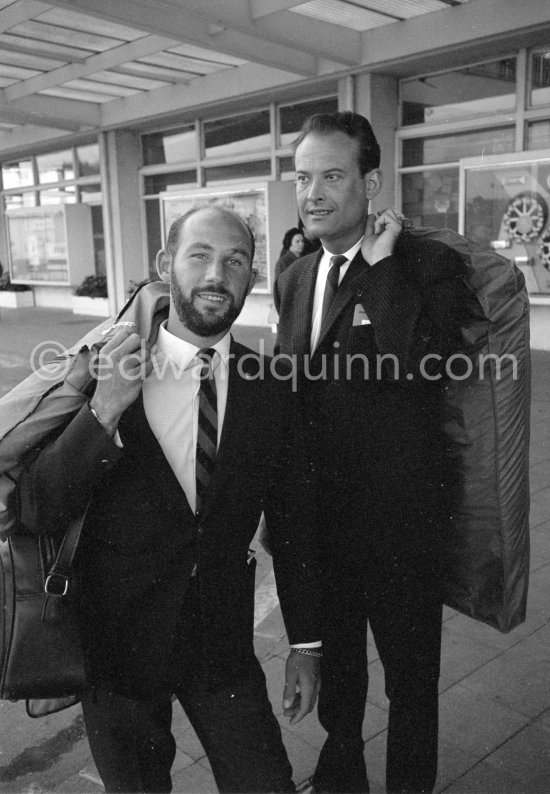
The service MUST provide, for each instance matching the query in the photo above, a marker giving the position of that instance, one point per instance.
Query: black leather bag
(41, 654)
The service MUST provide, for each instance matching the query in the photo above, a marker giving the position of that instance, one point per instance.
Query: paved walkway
(495, 688)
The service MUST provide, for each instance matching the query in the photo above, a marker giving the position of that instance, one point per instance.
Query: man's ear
(373, 183)
(164, 264)
(253, 277)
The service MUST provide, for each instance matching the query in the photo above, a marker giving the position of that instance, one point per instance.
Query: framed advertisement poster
(506, 206)
(267, 207)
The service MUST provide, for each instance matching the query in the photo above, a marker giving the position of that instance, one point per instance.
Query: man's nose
(215, 270)
(316, 189)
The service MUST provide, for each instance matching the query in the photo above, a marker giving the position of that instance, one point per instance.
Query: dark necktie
(207, 432)
(331, 287)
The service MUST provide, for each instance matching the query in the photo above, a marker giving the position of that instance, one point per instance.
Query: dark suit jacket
(373, 415)
(141, 540)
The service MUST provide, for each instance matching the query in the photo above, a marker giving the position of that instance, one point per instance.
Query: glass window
(99, 241)
(66, 195)
(507, 207)
(172, 146)
(26, 199)
(472, 91)
(88, 159)
(291, 117)
(237, 135)
(540, 78)
(538, 135)
(285, 165)
(55, 167)
(430, 198)
(17, 174)
(38, 246)
(449, 148)
(238, 171)
(156, 183)
(154, 234)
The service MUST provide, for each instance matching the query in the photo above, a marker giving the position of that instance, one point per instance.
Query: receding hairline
(177, 228)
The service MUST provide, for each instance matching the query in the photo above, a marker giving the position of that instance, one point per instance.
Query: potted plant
(90, 297)
(14, 296)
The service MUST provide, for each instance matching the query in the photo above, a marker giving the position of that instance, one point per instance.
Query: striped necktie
(331, 286)
(207, 432)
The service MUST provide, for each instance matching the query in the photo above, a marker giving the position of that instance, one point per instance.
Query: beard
(203, 324)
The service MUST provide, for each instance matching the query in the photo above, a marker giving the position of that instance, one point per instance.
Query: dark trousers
(404, 610)
(131, 739)
(133, 747)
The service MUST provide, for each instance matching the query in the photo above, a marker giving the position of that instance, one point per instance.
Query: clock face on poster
(526, 217)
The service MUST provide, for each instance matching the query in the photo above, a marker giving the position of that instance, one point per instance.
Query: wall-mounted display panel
(505, 206)
(50, 245)
(269, 208)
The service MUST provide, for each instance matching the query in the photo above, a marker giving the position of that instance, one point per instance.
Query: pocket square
(360, 316)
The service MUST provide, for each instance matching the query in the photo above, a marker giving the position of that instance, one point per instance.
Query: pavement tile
(530, 751)
(461, 654)
(540, 508)
(518, 678)
(540, 546)
(186, 738)
(452, 763)
(195, 779)
(375, 757)
(274, 670)
(538, 476)
(475, 722)
(302, 755)
(484, 778)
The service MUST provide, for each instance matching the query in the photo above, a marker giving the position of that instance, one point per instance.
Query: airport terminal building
(117, 115)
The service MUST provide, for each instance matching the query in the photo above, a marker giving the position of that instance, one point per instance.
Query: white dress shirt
(320, 284)
(171, 401)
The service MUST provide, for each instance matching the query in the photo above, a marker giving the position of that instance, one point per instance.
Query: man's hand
(122, 364)
(303, 680)
(381, 233)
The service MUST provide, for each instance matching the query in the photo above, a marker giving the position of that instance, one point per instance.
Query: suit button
(200, 531)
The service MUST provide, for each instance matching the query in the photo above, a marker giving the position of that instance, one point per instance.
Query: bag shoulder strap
(57, 580)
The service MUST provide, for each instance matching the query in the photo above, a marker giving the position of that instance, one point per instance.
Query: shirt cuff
(317, 644)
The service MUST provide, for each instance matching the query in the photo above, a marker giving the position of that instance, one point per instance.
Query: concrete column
(376, 97)
(120, 162)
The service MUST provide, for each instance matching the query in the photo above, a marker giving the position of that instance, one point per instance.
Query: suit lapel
(305, 291)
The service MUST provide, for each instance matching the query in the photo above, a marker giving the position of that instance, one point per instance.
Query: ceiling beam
(164, 19)
(95, 63)
(443, 32)
(9, 113)
(213, 89)
(263, 8)
(52, 111)
(19, 12)
(316, 37)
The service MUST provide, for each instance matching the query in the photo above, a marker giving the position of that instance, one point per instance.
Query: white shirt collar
(182, 353)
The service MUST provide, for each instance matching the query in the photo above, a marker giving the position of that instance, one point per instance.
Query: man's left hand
(381, 233)
(303, 680)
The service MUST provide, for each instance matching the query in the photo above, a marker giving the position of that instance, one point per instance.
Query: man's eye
(235, 263)
(301, 179)
(332, 177)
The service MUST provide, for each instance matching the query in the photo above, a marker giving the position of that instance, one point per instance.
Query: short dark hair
(287, 239)
(351, 124)
(173, 239)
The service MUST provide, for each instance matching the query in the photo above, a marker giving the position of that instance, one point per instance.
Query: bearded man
(178, 452)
